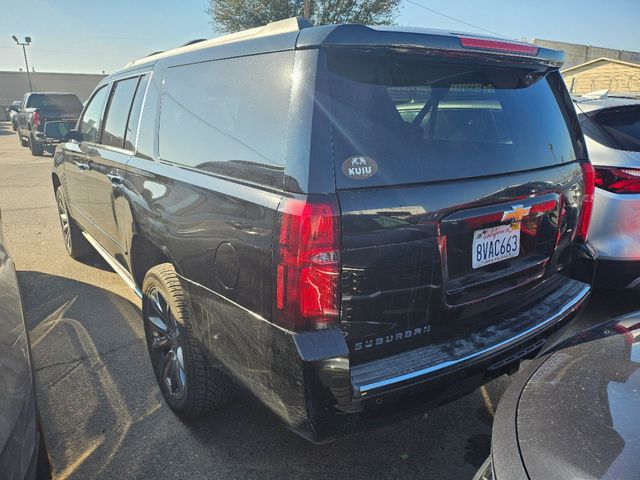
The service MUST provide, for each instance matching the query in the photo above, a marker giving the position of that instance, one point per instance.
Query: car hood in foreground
(577, 416)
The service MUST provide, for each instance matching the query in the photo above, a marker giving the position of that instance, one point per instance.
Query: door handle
(115, 179)
(81, 165)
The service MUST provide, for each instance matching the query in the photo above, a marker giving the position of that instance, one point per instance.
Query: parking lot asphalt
(103, 414)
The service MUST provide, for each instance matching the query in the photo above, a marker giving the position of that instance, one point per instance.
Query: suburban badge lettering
(390, 338)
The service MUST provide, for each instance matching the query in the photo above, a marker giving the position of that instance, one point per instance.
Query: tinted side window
(623, 125)
(134, 116)
(228, 117)
(118, 112)
(91, 118)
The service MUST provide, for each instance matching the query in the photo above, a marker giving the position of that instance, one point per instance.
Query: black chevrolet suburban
(352, 223)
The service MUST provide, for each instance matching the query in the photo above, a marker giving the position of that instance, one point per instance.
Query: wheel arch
(144, 255)
(55, 180)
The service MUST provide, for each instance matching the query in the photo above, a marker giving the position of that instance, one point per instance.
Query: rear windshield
(623, 127)
(402, 119)
(67, 102)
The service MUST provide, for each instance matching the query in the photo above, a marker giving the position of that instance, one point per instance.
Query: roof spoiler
(434, 40)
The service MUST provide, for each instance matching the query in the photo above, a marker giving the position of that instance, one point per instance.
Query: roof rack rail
(294, 24)
(191, 42)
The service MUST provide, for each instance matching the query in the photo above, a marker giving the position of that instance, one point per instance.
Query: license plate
(494, 244)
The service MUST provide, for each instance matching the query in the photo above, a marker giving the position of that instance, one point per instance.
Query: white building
(13, 85)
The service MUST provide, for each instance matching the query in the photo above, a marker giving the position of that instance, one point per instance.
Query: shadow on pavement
(105, 418)
(78, 333)
(5, 129)
(93, 259)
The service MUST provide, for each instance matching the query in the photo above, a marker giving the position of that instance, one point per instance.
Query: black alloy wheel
(74, 242)
(190, 383)
(166, 350)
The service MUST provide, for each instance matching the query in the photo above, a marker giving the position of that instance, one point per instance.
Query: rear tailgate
(407, 274)
(57, 115)
(459, 186)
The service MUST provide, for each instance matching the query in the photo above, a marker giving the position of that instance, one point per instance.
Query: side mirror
(73, 135)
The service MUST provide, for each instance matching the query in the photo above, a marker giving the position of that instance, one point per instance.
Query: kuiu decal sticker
(359, 168)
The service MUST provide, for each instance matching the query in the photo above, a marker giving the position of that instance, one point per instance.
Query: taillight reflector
(584, 218)
(487, 44)
(618, 180)
(308, 264)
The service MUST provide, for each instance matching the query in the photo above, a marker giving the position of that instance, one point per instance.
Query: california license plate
(494, 244)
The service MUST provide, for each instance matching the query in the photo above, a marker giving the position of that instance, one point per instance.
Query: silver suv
(611, 127)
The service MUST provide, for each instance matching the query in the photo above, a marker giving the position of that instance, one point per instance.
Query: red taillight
(625, 332)
(308, 264)
(584, 218)
(36, 119)
(487, 44)
(618, 180)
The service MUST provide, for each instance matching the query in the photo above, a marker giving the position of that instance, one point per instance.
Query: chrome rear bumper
(378, 375)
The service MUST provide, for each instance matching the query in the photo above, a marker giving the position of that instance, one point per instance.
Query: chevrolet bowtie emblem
(516, 213)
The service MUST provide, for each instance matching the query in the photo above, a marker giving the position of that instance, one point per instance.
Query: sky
(92, 36)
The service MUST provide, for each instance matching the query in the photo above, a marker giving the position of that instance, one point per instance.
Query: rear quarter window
(118, 110)
(417, 119)
(622, 126)
(228, 117)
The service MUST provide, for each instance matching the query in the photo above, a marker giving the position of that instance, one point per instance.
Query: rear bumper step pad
(371, 377)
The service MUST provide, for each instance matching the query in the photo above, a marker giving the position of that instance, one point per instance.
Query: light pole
(27, 41)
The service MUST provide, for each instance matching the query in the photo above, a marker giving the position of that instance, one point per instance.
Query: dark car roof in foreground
(576, 415)
(298, 33)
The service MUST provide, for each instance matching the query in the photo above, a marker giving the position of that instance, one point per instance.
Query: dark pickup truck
(38, 109)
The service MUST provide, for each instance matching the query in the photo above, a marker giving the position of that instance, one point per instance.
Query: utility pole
(307, 9)
(27, 41)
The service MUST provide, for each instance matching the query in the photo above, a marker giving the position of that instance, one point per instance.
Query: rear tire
(76, 245)
(190, 385)
(23, 142)
(36, 148)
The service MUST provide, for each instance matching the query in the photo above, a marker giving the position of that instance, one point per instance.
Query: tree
(234, 15)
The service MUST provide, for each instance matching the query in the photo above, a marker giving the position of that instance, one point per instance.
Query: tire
(23, 142)
(36, 148)
(76, 245)
(191, 386)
